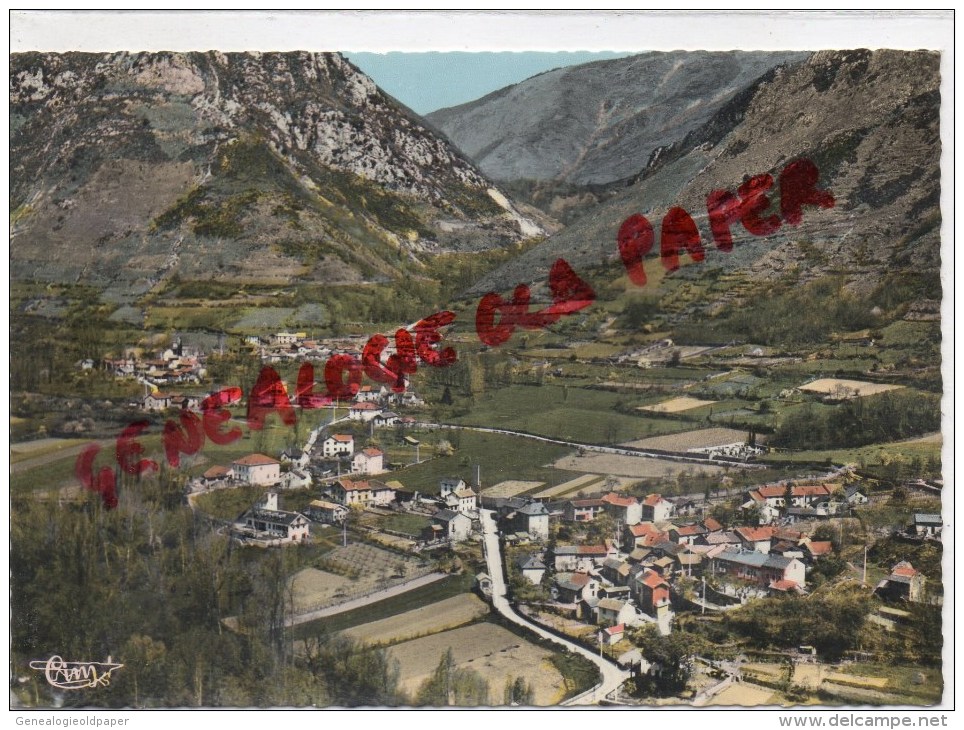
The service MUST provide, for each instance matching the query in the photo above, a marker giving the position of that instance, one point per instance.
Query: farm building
(905, 583)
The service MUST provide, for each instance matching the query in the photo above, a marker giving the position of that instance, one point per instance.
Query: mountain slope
(868, 120)
(130, 168)
(600, 121)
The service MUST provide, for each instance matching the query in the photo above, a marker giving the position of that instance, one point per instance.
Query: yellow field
(312, 587)
(573, 485)
(828, 386)
(492, 651)
(675, 405)
(510, 488)
(702, 438)
(742, 694)
(634, 467)
(441, 616)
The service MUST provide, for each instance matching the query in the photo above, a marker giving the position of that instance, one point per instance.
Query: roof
(852, 490)
(653, 579)
(366, 406)
(927, 519)
(387, 414)
(905, 569)
(530, 562)
(688, 530)
(586, 502)
(664, 562)
(712, 525)
(464, 493)
(690, 558)
(639, 553)
(784, 585)
(533, 509)
(754, 559)
(370, 451)
(572, 581)
(256, 460)
(447, 515)
(754, 534)
(653, 499)
(721, 538)
(619, 500)
(276, 517)
(811, 490)
(771, 491)
(216, 471)
(322, 504)
(613, 630)
(361, 486)
(598, 550)
(343, 438)
(611, 604)
(820, 547)
(642, 529)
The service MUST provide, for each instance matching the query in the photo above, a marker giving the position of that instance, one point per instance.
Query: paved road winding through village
(612, 675)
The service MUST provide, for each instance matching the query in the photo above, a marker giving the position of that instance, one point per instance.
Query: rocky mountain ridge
(599, 122)
(128, 168)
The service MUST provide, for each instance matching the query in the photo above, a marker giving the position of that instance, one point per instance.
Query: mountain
(869, 121)
(599, 122)
(130, 168)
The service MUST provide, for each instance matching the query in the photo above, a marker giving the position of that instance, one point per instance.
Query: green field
(501, 457)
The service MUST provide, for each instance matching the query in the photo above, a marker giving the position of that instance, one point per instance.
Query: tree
(517, 692)
(671, 659)
(446, 399)
(451, 685)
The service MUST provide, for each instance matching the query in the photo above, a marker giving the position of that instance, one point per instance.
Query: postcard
(342, 378)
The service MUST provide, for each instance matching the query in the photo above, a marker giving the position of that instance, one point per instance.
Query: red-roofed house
(257, 469)
(814, 549)
(368, 461)
(905, 583)
(624, 508)
(644, 534)
(784, 586)
(583, 510)
(657, 509)
(338, 444)
(612, 635)
(216, 473)
(579, 557)
(755, 538)
(806, 494)
(712, 525)
(686, 534)
(363, 412)
(361, 492)
(651, 591)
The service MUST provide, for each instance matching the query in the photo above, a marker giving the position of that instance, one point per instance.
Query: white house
(265, 521)
(338, 444)
(612, 611)
(385, 419)
(325, 511)
(363, 412)
(456, 496)
(361, 492)
(624, 508)
(455, 525)
(257, 469)
(656, 509)
(368, 461)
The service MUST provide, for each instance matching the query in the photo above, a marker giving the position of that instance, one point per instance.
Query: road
(612, 676)
(623, 450)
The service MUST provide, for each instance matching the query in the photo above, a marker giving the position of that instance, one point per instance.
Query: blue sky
(428, 81)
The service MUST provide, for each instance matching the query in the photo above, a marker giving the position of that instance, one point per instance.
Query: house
(217, 473)
(575, 587)
(583, 510)
(611, 635)
(294, 479)
(579, 557)
(726, 537)
(783, 587)
(756, 567)
(321, 510)
(651, 592)
(711, 525)
(456, 526)
(361, 492)
(807, 495)
(643, 534)
(257, 469)
(484, 583)
(612, 611)
(385, 419)
(855, 496)
(928, 525)
(338, 444)
(463, 500)
(690, 564)
(265, 521)
(664, 566)
(368, 461)
(905, 583)
(450, 484)
(755, 538)
(616, 571)
(814, 549)
(532, 517)
(531, 568)
(621, 592)
(686, 534)
(367, 394)
(685, 506)
(363, 412)
(627, 510)
(154, 402)
(656, 509)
